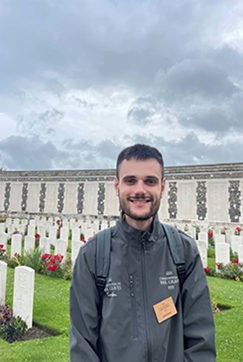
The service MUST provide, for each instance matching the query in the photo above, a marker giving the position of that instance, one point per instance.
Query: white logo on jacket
(112, 288)
(170, 280)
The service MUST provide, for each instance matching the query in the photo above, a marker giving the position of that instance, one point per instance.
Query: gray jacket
(142, 274)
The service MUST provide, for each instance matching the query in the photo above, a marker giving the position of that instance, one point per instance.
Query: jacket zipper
(145, 299)
(133, 303)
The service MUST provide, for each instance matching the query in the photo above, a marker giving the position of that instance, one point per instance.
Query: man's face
(139, 189)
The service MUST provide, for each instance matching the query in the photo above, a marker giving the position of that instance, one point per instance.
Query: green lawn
(51, 310)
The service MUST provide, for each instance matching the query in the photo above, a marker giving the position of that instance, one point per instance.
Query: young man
(146, 315)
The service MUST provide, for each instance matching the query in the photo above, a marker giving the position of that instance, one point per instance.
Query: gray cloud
(21, 153)
(62, 62)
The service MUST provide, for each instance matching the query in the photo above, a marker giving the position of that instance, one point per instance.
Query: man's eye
(151, 181)
(130, 181)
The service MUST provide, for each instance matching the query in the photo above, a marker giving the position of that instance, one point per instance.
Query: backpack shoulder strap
(177, 250)
(102, 260)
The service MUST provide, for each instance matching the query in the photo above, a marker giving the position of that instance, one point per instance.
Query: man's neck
(143, 225)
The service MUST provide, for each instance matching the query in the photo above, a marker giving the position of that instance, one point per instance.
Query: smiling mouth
(140, 199)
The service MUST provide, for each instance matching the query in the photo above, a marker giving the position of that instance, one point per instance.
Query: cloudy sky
(82, 79)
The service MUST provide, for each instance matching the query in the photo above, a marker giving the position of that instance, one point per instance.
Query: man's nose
(140, 187)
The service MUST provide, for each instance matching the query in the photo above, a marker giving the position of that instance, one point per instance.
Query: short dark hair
(139, 152)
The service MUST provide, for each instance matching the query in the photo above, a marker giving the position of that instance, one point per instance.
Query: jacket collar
(135, 236)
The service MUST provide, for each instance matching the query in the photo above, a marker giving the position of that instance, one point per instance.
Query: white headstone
(41, 230)
(31, 230)
(64, 233)
(203, 250)
(52, 232)
(219, 238)
(16, 245)
(76, 232)
(235, 242)
(61, 248)
(29, 243)
(23, 295)
(4, 239)
(44, 245)
(2, 227)
(240, 254)
(222, 253)
(3, 281)
(203, 236)
(75, 249)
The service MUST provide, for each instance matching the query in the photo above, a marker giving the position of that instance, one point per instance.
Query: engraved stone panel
(70, 198)
(33, 196)
(241, 206)
(234, 200)
(172, 200)
(90, 198)
(217, 200)
(164, 206)
(23, 295)
(111, 206)
(201, 200)
(186, 200)
(15, 196)
(51, 197)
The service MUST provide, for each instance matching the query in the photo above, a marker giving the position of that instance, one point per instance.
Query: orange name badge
(165, 309)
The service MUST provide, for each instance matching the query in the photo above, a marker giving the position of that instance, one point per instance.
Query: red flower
(207, 270)
(53, 260)
(1, 246)
(37, 236)
(210, 234)
(235, 261)
(52, 267)
(59, 257)
(83, 238)
(237, 230)
(45, 256)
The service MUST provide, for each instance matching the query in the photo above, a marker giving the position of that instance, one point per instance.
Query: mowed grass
(51, 309)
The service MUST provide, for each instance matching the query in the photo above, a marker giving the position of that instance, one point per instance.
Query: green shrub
(11, 328)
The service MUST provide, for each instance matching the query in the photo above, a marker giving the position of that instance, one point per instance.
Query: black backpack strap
(177, 250)
(102, 261)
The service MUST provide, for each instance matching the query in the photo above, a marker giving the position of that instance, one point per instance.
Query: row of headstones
(60, 245)
(223, 242)
(23, 292)
(50, 226)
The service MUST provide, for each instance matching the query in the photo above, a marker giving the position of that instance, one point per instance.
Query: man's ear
(116, 185)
